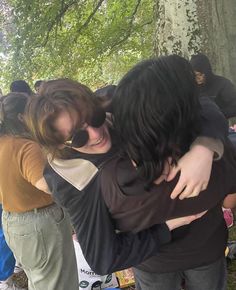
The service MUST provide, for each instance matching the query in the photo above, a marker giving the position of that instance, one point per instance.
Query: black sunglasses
(80, 138)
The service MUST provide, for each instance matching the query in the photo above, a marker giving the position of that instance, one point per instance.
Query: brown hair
(12, 108)
(55, 96)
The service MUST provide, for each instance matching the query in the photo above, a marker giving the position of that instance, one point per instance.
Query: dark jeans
(209, 277)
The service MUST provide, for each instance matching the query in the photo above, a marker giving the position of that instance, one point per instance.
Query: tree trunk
(187, 27)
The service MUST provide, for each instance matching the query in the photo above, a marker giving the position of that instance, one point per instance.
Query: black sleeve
(213, 123)
(105, 250)
(226, 99)
(116, 252)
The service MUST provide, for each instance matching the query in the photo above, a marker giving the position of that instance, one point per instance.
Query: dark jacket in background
(220, 89)
(232, 137)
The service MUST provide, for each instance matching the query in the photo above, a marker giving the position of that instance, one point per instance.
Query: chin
(106, 148)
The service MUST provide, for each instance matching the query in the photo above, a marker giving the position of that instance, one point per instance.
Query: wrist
(202, 149)
(214, 145)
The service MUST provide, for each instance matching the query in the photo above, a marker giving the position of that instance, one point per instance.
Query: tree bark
(187, 27)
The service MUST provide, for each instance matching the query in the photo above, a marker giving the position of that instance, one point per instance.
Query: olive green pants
(41, 241)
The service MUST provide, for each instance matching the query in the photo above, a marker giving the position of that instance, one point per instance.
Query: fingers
(187, 191)
(196, 216)
(202, 213)
(190, 191)
(179, 188)
(178, 222)
(188, 219)
(172, 172)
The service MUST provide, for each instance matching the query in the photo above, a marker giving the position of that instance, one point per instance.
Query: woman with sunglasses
(63, 115)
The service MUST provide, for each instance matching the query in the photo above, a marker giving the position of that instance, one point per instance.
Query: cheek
(199, 79)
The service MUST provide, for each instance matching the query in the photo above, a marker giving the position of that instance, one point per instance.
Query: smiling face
(99, 141)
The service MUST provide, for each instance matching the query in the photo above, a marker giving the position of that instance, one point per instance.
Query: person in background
(0, 92)
(218, 88)
(223, 93)
(21, 86)
(36, 229)
(37, 85)
(228, 212)
(7, 260)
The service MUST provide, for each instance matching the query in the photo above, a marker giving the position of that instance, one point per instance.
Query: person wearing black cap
(218, 88)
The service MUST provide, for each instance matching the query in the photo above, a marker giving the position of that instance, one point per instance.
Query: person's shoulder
(223, 81)
(19, 142)
(27, 144)
(78, 172)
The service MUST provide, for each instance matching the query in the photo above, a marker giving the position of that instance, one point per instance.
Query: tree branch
(129, 32)
(57, 19)
(86, 23)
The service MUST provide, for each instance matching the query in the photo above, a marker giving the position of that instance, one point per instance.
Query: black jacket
(219, 89)
(105, 250)
(134, 208)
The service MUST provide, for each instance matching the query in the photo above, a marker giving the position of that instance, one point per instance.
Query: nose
(94, 133)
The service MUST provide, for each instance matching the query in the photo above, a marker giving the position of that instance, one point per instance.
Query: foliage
(93, 41)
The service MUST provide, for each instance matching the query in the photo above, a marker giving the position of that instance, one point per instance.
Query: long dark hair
(156, 109)
(12, 107)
